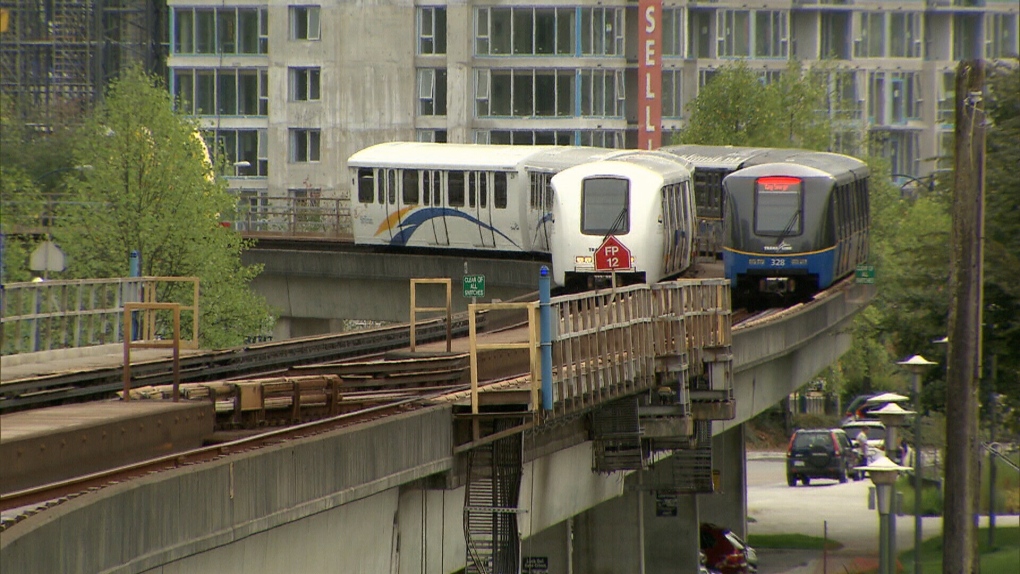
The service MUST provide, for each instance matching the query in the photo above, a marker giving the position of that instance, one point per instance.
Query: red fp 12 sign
(612, 255)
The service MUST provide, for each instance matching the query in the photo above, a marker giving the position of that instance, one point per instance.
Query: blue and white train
(793, 228)
(503, 199)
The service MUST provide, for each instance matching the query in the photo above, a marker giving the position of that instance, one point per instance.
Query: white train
(503, 198)
(643, 199)
(458, 196)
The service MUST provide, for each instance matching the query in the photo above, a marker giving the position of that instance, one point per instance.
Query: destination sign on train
(777, 183)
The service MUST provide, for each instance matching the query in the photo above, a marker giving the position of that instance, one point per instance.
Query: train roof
(717, 156)
(445, 155)
(818, 167)
(548, 158)
(734, 158)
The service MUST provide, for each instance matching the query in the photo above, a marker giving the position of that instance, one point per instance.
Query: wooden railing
(613, 343)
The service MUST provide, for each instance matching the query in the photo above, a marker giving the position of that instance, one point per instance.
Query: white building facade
(290, 90)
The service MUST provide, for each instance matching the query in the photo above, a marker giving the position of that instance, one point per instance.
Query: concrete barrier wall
(153, 521)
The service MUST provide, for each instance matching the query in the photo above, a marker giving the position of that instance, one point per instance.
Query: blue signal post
(545, 321)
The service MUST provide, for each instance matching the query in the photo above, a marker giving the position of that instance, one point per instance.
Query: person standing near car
(862, 441)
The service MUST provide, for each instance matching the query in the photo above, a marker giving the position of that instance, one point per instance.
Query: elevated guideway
(390, 495)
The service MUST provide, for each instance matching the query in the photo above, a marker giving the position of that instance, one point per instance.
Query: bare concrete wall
(157, 520)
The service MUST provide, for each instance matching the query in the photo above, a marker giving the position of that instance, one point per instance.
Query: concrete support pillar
(608, 539)
(728, 506)
(671, 540)
(552, 546)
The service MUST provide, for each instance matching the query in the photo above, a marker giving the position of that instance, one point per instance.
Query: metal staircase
(490, 505)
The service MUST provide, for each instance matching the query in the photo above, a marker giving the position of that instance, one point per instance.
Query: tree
(1002, 234)
(737, 107)
(153, 190)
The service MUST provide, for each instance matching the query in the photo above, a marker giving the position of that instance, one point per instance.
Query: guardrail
(617, 342)
(45, 315)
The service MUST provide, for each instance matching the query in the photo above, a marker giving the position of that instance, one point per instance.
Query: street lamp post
(883, 473)
(892, 416)
(917, 365)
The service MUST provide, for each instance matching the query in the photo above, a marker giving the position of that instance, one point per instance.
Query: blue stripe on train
(820, 263)
(418, 217)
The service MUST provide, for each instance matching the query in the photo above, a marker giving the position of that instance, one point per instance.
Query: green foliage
(20, 207)
(1002, 236)
(737, 108)
(1000, 558)
(152, 190)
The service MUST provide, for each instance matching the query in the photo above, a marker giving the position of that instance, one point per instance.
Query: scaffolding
(57, 55)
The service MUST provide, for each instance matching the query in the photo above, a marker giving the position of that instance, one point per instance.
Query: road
(775, 508)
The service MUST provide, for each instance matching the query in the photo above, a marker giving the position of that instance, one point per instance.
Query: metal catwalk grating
(490, 507)
(686, 472)
(616, 431)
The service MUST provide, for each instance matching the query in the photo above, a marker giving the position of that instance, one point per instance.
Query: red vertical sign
(650, 74)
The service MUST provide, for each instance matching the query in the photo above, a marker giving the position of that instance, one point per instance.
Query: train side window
(472, 187)
(483, 189)
(391, 186)
(366, 184)
(455, 188)
(536, 191)
(426, 189)
(410, 189)
(380, 187)
(499, 190)
(436, 183)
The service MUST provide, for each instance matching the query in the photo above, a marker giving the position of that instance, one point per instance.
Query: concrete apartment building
(292, 89)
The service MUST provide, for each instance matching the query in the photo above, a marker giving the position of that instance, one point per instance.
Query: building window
(437, 136)
(525, 31)
(835, 35)
(304, 145)
(432, 92)
(905, 35)
(304, 84)
(672, 94)
(304, 22)
(1000, 36)
(700, 34)
(673, 24)
(431, 30)
(229, 92)
(602, 32)
(525, 93)
(733, 33)
(870, 43)
(244, 151)
(603, 93)
(220, 30)
(596, 138)
(947, 99)
(771, 33)
(893, 97)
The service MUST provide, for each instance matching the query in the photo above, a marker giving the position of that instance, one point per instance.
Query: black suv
(820, 453)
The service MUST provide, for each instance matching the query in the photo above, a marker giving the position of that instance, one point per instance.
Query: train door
(386, 197)
(671, 231)
(432, 196)
(539, 210)
(479, 204)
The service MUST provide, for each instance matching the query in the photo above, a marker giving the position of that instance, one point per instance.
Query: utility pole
(959, 532)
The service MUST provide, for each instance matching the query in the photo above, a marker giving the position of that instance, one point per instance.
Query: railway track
(257, 359)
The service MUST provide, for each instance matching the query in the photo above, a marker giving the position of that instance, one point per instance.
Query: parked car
(859, 408)
(820, 453)
(725, 552)
(875, 432)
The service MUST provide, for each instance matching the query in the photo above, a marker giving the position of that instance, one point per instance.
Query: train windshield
(777, 206)
(604, 202)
